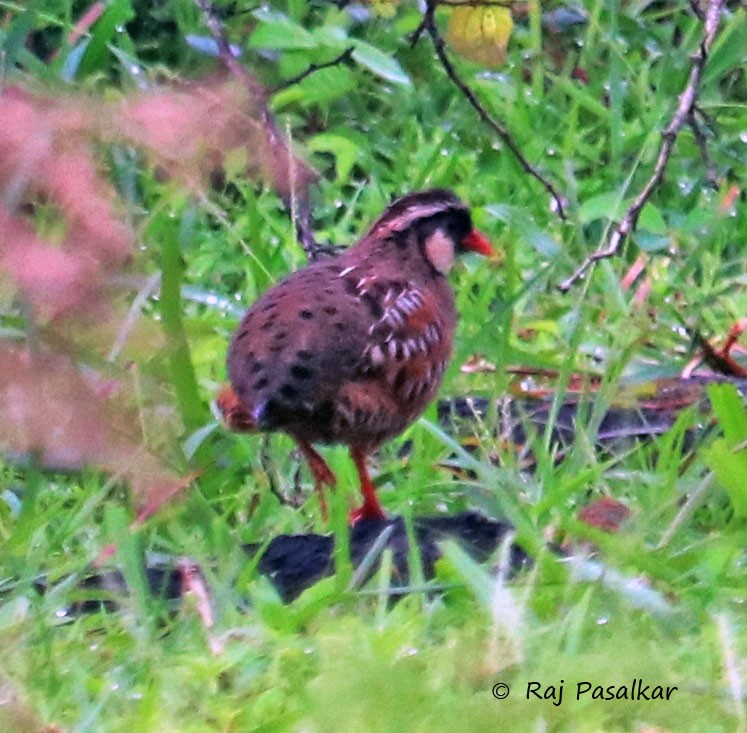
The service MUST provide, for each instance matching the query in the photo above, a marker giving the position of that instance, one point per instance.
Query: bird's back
(347, 350)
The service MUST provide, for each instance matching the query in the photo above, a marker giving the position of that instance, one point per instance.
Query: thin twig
(266, 462)
(683, 111)
(305, 233)
(702, 142)
(428, 25)
(218, 32)
(151, 286)
(344, 57)
(94, 12)
(693, 501)
(300, 206)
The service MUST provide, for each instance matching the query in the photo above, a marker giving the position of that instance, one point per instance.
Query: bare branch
(94, 12)
(681, 115)
(428, 25)
(345, 56)
(296, 174)
(305, 233)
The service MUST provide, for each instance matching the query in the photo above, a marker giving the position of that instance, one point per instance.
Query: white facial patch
(439, 249)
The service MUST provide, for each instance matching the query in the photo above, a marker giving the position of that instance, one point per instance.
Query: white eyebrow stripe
(414, 212)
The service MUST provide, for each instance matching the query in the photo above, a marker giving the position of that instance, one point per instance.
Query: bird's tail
(236, 416)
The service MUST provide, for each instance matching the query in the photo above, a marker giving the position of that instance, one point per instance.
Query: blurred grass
(341, 660)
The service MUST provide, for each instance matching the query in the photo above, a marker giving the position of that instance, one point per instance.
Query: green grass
(670, 607)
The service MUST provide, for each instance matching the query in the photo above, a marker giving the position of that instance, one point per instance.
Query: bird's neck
(399, 253)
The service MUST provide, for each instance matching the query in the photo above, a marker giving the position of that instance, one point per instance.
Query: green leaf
(71, 63)
(470, 573)
(727, 456)
(276, 30)
(117, 14)
(651, 220)
(197, 438)
(539, 241)
(529, 233)
(130, 66)
(649, 242)
(698, 221)
(345, 151)
(730, 469)
(131, 560)
(729, 50)
(730, 412)
(380, 63)
(332, 36)
(322, 86)
(502, 212)
(268, 605)
(604, 206)
(14, 39)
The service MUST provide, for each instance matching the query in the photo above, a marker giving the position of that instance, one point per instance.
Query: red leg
(321, 472)
(370, 509)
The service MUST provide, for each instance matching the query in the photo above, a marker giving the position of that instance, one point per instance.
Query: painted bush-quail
(352, 349)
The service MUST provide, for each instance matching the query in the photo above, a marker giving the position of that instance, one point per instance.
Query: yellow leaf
(481, 33)
(384, 8)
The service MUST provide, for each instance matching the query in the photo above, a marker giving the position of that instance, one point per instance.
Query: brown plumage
(352, 349)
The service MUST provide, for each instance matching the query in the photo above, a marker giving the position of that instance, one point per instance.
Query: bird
(351, 349)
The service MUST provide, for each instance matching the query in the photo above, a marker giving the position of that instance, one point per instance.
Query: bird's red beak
(477, 242)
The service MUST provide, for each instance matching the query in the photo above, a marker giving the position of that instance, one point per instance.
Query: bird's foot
(370, 509)
(367, 511)
(322, 474)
